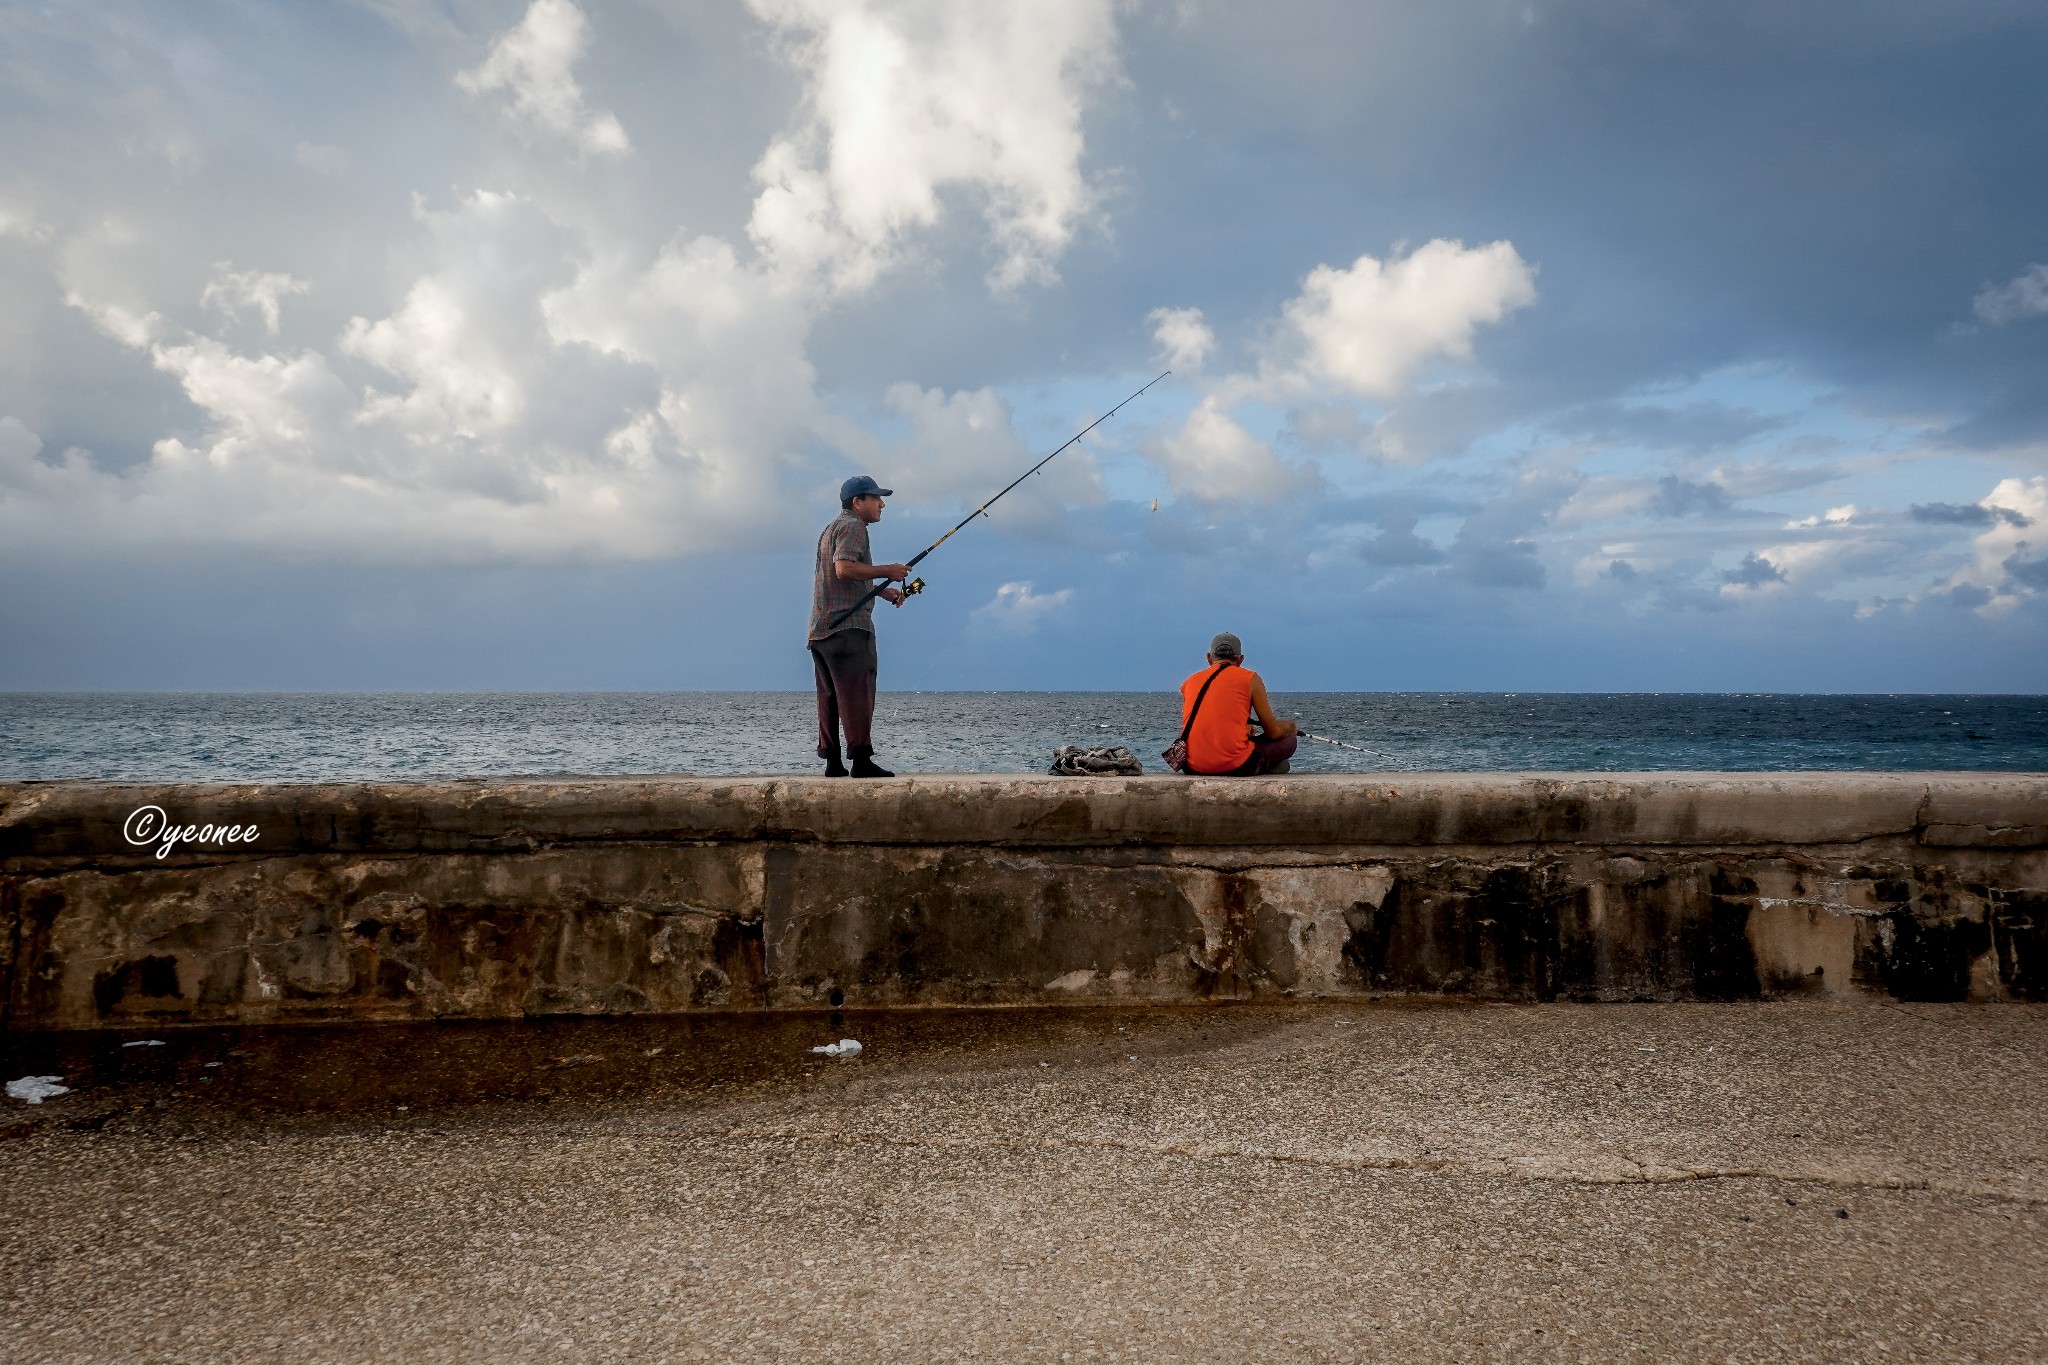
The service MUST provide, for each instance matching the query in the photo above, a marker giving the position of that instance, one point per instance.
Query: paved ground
(1750, 1182)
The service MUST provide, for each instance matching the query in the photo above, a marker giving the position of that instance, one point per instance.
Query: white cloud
(547, 380)
(1362, 331)
(1834, 516)
(1371, 326)
(906, 101)
(533, 63)
(235, 292)
(460, 344)
(2024, 296)
(264, 407)
(2011, 558)
(20, 225)
(1019, 608)
(1185, 340)
(521, 410)
(125, 325)
(964, 446)
(1214, 457)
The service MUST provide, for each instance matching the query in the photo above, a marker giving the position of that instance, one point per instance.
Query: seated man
(1221, 742)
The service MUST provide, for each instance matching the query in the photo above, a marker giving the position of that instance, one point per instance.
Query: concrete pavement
(1800, 1181)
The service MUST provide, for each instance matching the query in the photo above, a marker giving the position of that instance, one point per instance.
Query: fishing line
(1380, 754)
(1354, 748)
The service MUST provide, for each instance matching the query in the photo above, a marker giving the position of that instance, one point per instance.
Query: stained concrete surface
(1797, 1181)
(563, 897)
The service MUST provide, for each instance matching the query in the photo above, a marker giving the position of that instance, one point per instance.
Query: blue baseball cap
(860, 485)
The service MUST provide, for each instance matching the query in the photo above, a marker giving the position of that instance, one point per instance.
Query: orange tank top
(1221, 737)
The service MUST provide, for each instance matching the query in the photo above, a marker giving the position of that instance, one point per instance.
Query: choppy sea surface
(400, 735)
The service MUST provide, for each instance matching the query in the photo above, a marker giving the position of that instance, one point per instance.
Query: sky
(523, 344)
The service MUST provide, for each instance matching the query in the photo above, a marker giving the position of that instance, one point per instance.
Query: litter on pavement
(845, 1047)
(36, 1089)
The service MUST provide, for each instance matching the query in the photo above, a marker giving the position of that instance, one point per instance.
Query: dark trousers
(843, 664)
(1267, 754)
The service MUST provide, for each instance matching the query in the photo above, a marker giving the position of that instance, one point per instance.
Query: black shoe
(863, 766)
(833, 767)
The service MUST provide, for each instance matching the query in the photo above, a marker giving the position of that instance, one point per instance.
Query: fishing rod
(916, 585)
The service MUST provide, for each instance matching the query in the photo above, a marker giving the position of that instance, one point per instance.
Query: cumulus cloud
(2024, 296)
(456, 342)
(1214, 457)
(1370, 326)
(518, 407)
(546, 384)
(1363, 331)
(238, 292)
(1185, 340)
(2008, 557)
(533, 63)
(1019, 608)
(907, 102)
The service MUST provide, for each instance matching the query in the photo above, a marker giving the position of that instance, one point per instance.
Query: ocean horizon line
(957, 691)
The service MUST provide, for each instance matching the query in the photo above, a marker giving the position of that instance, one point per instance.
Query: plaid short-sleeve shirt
(845, 538)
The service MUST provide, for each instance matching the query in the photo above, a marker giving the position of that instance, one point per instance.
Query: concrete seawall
(495, 899)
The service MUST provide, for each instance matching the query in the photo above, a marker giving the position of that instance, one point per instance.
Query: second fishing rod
(916, 585)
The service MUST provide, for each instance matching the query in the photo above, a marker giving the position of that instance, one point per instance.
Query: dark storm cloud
(1966, 514)
(1968, 596)
(1753, 572)
(2032, 573)
(1702, 186)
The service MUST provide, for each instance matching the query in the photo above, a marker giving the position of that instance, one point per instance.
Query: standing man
(842, 643)
(1220, 741)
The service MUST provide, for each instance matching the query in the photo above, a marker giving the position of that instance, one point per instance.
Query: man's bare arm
(1273, 726)
(852, 570)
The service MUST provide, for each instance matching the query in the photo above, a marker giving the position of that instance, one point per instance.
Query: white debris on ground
(36, 1089)
(845, 1047)
(145, 1042)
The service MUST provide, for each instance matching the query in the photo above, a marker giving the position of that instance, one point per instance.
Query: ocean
(309, 736)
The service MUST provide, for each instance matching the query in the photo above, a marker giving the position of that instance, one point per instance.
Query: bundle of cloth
(1069, 761)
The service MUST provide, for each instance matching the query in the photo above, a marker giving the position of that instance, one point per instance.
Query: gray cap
(1227, 646)
(860, 485)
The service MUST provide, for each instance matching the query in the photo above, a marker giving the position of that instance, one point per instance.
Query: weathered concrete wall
(496, 899)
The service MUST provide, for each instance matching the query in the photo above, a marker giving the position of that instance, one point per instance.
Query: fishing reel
(910, 589)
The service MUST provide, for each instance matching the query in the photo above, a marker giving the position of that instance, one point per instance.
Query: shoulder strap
(1196, 709)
